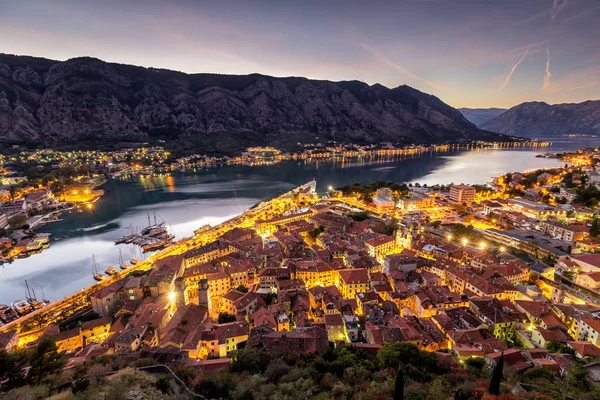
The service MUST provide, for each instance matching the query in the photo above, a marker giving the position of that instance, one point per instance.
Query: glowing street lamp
(482, 245)
(502, 249)
(449, 237)
(465, 241)
(172, 296)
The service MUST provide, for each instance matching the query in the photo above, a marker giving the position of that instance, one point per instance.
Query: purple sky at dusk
(470, 53)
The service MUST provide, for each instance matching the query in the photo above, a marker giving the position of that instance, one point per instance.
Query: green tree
(17, 221)
(595, 228)
(497, 376)
(11, 369)
(225, 317)
(242, 289)
(250, 360)
(399, 384)
(45, 359)
(163, 384)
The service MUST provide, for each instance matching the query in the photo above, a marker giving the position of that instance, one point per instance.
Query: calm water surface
(187, 201)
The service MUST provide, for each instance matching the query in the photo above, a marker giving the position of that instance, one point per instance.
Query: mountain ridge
(538, 119)
(85, 98)
(479, 116)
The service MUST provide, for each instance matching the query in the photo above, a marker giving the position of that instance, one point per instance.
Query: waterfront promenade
(70, 305)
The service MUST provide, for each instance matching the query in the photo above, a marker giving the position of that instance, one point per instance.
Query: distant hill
(538, 119)
(86, 99)
(480, 116)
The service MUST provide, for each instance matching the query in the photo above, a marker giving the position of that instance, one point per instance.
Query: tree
(497, 376)
(11, 369)
(17, 221)
(163, 384)
(225, 317)
(436, 224)
(45, 358)
(242, 289)
(314, 233)
(595, 228)
(399, 384)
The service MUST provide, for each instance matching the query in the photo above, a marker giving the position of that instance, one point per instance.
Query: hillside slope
(479, 116)
(538, 120)
(86, 99)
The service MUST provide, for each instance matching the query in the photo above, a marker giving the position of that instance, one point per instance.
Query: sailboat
(97, 276)
(121, 263)
(44, 299)
(32, 300)
(133, 261)
(111, 271)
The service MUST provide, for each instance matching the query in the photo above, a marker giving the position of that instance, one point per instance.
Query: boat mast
(28, 291)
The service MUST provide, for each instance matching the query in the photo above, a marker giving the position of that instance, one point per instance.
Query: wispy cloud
(556, 7)
(513, 69)
(548, 73)
(384, 60)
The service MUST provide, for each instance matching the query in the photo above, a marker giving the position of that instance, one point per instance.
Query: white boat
(111, 271)
(97, 276)
(134, 261)
(122, 265)
(22, 307)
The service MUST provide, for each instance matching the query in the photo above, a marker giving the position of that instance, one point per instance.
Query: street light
(482, 245)
(172, 296)
(502, 249)
(465, 241)
(449, 237)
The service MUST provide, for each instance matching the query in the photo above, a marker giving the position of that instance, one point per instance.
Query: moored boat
(97, 276)
(111, 271)
(22, 307)
(7, 314)
(134, 261)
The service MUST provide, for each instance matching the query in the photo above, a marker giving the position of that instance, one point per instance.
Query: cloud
(548, 73)
(384, 60)
(513, 69)
(556, 7)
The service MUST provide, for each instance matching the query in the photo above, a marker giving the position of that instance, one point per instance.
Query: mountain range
(89, 100)
(542, 120)
(479, 116)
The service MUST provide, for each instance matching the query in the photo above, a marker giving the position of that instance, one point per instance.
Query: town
(467, 272)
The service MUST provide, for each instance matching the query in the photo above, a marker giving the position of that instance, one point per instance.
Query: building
(403, 261)
(3, 221)
(590, 280)
(589, 329)
(9, 340)
(383, 204)
(538, 211)
(353, 281)
(268, 226)
(380, 246)
(416, 201)
(106, 299)
(209, 252)
(570, 233)
(462, 194)
(68, 341)
(385, 193)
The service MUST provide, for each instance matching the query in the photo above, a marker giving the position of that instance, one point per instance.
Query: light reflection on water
(188, 201)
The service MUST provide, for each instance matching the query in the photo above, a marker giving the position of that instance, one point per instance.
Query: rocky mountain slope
(479, 116)
(538, 120)
(86, 99)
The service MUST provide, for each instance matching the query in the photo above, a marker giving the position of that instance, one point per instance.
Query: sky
(469, 53)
